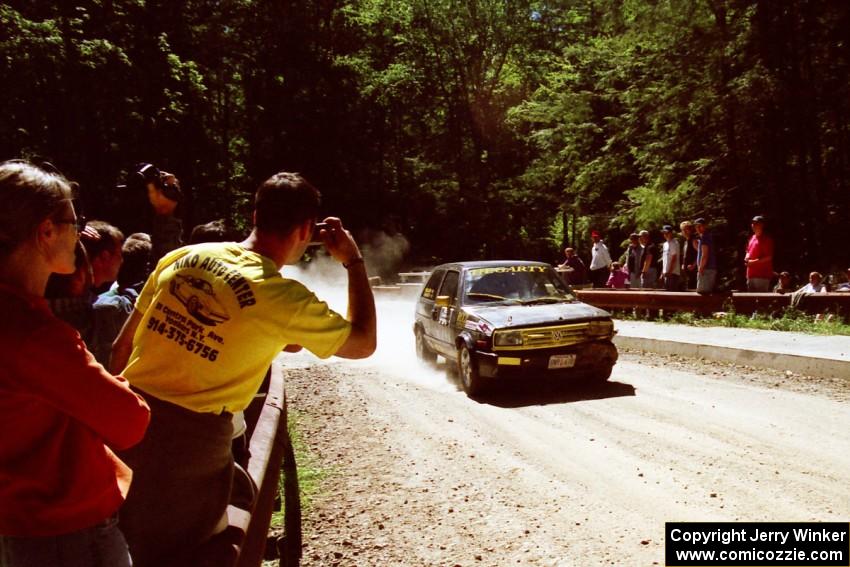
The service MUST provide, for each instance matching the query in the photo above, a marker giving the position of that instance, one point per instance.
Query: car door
(445, 313)
(427, 313)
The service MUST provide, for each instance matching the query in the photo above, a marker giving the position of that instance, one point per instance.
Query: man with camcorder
(164, 194)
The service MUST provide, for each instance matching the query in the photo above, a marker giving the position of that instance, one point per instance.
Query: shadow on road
(537, 394)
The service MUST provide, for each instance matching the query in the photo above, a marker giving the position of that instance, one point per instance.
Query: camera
(317, 237)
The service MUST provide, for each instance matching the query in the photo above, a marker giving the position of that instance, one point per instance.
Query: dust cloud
(395, 354)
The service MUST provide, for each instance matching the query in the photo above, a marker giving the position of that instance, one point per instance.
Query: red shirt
(59, 409)
(760, 247)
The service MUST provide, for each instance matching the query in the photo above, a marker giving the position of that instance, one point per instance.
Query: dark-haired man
(112, 307)
(104, 252)
(207, 325)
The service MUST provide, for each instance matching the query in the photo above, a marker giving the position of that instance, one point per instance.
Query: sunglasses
(79, 222)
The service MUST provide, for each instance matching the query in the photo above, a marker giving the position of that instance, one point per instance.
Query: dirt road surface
(421, 475)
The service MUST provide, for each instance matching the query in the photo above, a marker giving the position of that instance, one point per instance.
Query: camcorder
(145, 173)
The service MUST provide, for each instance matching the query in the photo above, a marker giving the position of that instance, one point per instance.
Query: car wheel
(424, 353)
(601, 374)
(470, 380)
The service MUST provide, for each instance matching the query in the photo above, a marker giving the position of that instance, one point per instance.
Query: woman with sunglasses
(61, 413)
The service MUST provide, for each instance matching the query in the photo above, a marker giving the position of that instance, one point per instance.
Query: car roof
(488, 264)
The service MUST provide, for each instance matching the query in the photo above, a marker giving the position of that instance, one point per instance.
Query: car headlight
(507, 338)
(600, 328)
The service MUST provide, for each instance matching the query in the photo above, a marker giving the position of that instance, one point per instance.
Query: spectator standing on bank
(670, 259)
(759, 258)
(207, 325)
(60, 411)
(600, 261)
(618, 278)
(633, 255)
(706, 258)
(689, 255)
(648, 269)
(572, 268)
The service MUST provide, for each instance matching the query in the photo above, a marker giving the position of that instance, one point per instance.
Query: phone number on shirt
(179, 337)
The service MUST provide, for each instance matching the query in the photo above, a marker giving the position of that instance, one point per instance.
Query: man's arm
(362, 340)
(123, 345)
(361, 312)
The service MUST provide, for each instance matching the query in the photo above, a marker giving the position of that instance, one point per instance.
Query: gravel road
(421, 475)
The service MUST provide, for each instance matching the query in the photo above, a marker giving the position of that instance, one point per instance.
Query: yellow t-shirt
(214, 317)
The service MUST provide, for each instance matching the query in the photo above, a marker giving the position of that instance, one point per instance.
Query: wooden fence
(705, 304)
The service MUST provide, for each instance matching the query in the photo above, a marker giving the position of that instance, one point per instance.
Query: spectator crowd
(687, 261)
(128, 363)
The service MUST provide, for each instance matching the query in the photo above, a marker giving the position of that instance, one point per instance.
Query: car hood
(502, 316)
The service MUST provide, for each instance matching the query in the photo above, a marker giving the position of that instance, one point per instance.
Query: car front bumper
(588, 357)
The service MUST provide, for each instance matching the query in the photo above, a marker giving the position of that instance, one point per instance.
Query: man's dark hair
(284, 201)
(213, 231)
(110, 239)
(137, 262)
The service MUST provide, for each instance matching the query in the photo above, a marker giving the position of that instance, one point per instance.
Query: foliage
(476, 129)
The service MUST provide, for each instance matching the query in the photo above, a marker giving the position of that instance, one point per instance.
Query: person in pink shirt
(61, 413)
(618, 278)
(759, 258)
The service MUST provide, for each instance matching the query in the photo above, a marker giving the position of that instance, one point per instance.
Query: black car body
(502, 318)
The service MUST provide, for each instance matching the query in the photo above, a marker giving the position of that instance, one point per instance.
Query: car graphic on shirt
(198, 297)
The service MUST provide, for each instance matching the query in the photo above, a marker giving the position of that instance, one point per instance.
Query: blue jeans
(101, 545)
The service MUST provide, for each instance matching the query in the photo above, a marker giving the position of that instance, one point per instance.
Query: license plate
(562, 361)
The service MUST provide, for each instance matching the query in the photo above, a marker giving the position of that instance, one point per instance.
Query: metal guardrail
(247, 529)
(741, 302)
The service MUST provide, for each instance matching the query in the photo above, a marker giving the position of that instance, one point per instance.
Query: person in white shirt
(600, 261)
(670, 259)
(815, 284)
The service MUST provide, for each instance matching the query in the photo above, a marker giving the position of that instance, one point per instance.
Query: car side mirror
(443, 301)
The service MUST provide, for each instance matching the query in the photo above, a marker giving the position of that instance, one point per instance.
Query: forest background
(470, 128)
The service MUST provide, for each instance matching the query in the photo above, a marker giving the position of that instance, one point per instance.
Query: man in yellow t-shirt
(208, 323)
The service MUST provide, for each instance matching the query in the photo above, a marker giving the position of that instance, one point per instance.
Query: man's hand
(339, 242)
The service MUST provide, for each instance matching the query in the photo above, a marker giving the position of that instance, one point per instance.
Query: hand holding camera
(338, 241)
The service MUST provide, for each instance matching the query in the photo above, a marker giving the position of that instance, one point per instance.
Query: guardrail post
(290, 546)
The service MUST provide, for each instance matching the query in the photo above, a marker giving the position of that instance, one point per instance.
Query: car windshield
(515, 284)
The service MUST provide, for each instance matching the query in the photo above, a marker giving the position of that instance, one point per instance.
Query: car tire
(601, 374)
(423, 353)
(467, 369)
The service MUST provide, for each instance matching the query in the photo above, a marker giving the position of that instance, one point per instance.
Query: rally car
(510, 318)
